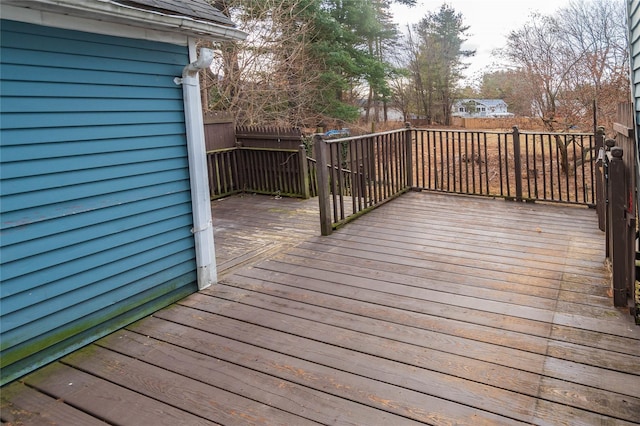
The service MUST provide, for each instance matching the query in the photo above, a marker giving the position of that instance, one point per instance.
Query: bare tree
(268, 78)
(595, 32)
(570, 61)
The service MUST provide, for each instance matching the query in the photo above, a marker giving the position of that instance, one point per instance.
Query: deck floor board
(431, 309)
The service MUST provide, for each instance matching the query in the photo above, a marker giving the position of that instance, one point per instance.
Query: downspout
(200, 198)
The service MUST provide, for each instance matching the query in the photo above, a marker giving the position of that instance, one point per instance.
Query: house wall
(95, 200)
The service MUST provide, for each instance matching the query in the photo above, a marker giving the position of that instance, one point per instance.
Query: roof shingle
(196, 9)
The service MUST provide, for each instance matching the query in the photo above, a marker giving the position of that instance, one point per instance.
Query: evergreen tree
(305, 62)
(437, 61)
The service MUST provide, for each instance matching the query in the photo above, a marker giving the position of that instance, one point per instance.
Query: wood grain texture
(432, 309)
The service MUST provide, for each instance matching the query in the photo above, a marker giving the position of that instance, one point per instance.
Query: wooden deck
(432, 309)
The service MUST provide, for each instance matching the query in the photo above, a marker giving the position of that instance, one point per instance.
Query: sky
(490, 22)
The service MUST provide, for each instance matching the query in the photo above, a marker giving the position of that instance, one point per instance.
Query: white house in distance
(480, 108)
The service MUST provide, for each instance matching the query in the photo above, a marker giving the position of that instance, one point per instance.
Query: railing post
(600, 198)
(408, 139)
(517, 162)
(618, 223)
(320, 147)
(608, 144)
(304, 172)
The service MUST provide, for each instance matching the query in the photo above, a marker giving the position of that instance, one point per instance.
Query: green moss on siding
(37, 352)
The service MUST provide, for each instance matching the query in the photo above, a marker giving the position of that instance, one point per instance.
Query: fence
(359, 173)
(219, 130)
(268, 137)
(482, 123)
(554, 167)
(258, 170)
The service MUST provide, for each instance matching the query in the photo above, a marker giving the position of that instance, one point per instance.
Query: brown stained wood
(105, 400)
(451, 351)
(595, 339)
(535, 221)
(433, 223)
(428, 268)
(411, 303)
(452, 356)
(547, 413)
(408, 381)
(387, 230)
(432, 309)
(22, 405)
(397, 262)
(418, 241)
(487, 259)
(191, 397)
(382, 306)
(426, 294)
(256, 385)
(411, 275)
(281, 362)
(482, 288)
(409, 316)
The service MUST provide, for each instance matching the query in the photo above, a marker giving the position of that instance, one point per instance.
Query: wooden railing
(620, 181)
(366, 171)
(356, 174)
(556, 167)
(282, 172)
(312, 165)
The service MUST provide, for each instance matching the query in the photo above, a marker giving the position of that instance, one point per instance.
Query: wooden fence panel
(219, 131)
(268, 137)
(225, 173)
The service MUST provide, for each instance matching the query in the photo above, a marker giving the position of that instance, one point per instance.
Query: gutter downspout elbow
(198, 173)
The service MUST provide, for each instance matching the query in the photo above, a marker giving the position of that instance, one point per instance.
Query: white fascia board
(57, 20)
(110, 18)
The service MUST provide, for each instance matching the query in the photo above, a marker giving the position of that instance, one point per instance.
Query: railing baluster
(473, 162)
(458, 159)
(500, 164)
(431, 146)
(575, 191)
(534, 163)
(447, 160)
(506, 166)
(517, 163)
(353, 170)
(441, 177)
(559, 179)
(486, 165)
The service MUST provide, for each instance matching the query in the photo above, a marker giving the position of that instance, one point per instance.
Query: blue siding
(95, 196)
(633, 9)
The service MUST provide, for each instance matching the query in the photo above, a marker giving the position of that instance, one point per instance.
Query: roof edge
(114, 12)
